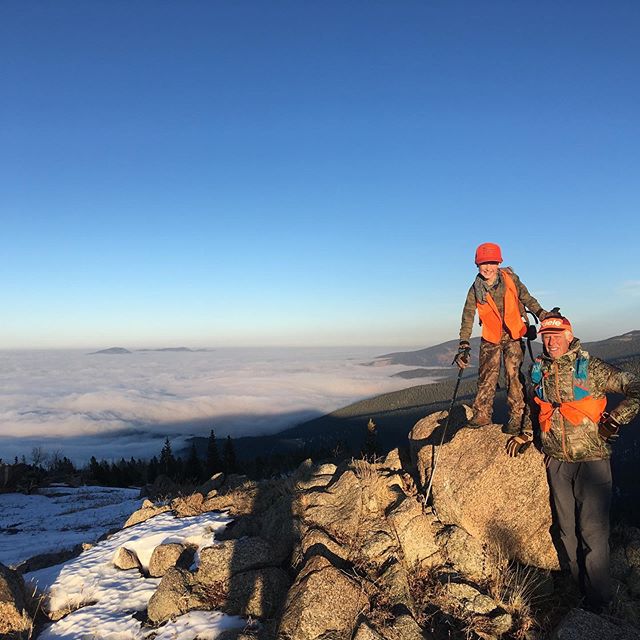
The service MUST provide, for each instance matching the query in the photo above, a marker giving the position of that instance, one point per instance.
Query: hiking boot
(478, 421)
(513, 427)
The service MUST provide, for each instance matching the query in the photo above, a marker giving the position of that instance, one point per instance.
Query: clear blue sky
(244, 173)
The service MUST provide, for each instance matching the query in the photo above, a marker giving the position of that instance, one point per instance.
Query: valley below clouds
(123, 405)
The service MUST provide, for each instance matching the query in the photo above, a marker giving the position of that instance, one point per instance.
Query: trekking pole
(444, 432)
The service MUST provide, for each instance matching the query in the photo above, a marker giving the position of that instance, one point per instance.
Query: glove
(463, 355)
(517, 445)
(608, 428)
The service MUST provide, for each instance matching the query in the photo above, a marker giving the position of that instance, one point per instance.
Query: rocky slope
(351, 552)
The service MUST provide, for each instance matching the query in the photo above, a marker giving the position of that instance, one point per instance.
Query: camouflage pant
(512, 352)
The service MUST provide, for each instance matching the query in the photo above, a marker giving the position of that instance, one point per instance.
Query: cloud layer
(112, 405)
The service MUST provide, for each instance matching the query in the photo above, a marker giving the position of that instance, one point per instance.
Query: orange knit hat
(488, 252)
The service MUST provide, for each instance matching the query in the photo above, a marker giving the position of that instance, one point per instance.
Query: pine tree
(214, 464)
(230, 463)
(371, 441)
(193, 469)
(167, 464)
(152, 470)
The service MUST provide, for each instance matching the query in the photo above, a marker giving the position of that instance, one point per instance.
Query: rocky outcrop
(351, 551)
(15, 620)
(496, 499)
(362, 535)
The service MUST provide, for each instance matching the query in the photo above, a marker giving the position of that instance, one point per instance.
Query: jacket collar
(573, 352)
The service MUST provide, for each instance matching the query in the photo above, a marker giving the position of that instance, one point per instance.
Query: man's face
(488, 270)
(556, 343)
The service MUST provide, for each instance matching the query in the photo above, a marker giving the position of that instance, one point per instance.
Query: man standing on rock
(569, 395)
(500, 299)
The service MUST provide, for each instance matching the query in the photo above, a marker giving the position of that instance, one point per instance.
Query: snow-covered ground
(63, 517)
(59, 518)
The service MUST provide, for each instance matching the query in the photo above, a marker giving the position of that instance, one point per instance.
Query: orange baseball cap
(488, 252)
(555, 323)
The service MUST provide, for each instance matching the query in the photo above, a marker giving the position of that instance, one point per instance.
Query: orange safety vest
(574, 410)
(490, 317)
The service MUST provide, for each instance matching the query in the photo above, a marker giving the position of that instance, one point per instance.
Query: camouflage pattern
(577, 443)
(512, 352)
(497, 293)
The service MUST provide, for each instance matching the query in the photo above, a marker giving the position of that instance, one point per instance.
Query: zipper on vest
(559, 399)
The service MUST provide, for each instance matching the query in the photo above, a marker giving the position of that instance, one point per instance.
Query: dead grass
(213, 593)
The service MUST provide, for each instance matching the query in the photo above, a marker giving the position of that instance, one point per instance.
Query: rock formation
(498, 500)
(351, 551)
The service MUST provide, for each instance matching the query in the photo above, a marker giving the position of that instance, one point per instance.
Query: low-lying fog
(123, 405)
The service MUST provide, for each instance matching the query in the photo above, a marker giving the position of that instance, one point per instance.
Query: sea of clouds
(111, 406)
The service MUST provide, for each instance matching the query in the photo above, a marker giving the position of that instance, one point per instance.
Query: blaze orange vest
(574, 411)
(490, 317)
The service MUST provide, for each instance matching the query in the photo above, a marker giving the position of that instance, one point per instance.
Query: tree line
(193, 468)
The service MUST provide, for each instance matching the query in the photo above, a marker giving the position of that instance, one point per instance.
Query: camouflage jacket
(497, 293)
(575, 443)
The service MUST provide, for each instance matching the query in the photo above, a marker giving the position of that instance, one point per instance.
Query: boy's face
(488, 270)
(556, 343)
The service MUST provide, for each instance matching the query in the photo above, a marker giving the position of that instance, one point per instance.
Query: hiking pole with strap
(444, 433)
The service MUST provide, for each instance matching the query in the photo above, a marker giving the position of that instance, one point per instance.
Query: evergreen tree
(152, 470)
(214, 464)
(230, 463)
(371, 441)
(193, 468)
(167, 464)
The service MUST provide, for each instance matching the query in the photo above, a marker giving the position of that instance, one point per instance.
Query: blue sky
(312, 173)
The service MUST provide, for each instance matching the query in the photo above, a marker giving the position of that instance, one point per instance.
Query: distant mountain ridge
(122, 350)
(441, 355)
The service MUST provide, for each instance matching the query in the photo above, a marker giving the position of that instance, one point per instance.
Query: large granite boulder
(15, 620)
(499, 500)
(323, 600)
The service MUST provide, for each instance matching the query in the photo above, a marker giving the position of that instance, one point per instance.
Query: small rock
(632, 551)
(142, 515)
(392, 460)
(164, 557)
(126, 559)
(212, 484)
(470, 599)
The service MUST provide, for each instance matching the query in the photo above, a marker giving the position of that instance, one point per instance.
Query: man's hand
(608, 428)
(517, 445)
(464, 354)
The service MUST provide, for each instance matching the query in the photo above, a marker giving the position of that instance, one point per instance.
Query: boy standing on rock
(569, 390)
(501, 301)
